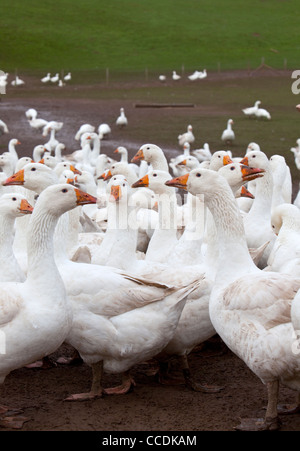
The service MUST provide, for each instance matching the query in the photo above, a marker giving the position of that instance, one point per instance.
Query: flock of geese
(127, 261)
(196, 75)
(55, 79)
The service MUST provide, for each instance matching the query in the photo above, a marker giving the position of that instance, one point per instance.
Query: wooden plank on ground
(164, 105)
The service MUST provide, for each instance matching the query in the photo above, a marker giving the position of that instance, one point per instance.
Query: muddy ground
(150, 406)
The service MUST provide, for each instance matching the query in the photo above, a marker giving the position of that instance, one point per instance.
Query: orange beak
(138, 156)
(15, 179)
(116, 151)
(245, 161)
(115, 193)
(251, 173)
(227, 160)
(25, 207)
(182, 163)
(101, 177)
(108, 175)
(42, 161)
(84, 198)
(144, 181)
(246, 193)
(76, 171)
(179, 182)
(18, 142)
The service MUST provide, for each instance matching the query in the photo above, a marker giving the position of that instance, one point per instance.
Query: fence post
(107, 75)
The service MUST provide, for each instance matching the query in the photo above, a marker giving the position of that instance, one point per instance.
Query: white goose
(55, 78)
(84, 128)
(249, 308)
(285, 255)
(188, 136)
(228, 135)
(257, 221)
(175, 76)
(3, 127)
(154, 155)
(203, 154)
(282, 180)
(46, 78)
(122, 120)
(38, 152)
(12, 205)
(262, 113)
(104, 130)
(164, 237)
(121, 150)
(33, 120)
(17, 81)
(42, 297)
(251, 110)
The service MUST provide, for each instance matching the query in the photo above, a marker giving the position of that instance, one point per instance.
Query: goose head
(62, 197)
(147, 152)
(155, 180)
(15, 205)
(33, 176)
(219, 158)
(256, 159)
(118, 189)
(63, 165)
(189, 162)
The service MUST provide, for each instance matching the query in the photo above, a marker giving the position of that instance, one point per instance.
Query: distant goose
(33, 120)
(202, 74)
(3, 127)
(262, 113)
(68, 77)
(162, 78)
(104, 130)
(55, 78)
(188, 136)
(250, 111)
(194, 76)
(175, 76)
(17, 81)
(46, 78)
(84, 128)
(228, 135)
(122, 119)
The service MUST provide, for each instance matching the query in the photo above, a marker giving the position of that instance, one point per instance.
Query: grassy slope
(134, 34)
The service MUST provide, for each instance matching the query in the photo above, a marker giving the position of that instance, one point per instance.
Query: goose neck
(6, 236)
(234, 257)
(40, 245)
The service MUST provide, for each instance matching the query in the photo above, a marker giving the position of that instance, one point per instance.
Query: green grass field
(137, 34)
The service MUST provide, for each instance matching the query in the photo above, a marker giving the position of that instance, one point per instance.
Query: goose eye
(154, 175)
(64, 190)
(33, 169)
(232, 168)
(198, 174)
(124, 184)
(14, 198)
